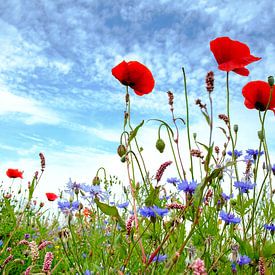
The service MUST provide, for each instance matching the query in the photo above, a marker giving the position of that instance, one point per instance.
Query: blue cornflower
(270, 227)
(236, 153)
(72, 187)
(173, 180)
(94, 192)
(159, 258)
(226, 197)
(153, 211)
(188, 188)
(244, 186)
(273, 169)
(123, 205)
(229, 218)
(87, 272)
(68, 207)
(27, 236)
(252, 154)
(243, 259)
(1, 243)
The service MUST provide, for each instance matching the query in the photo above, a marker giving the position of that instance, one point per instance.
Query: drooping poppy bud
(96, 180)
(121, 150)
(160, 145)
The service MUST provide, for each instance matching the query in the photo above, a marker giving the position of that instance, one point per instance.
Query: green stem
(187, 122)
(230, 132)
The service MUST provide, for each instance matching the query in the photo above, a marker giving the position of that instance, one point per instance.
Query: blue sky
(57, 94)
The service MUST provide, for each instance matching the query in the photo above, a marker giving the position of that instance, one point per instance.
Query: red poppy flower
(51, 196)
(14, 173)
(135, 75)
(232, 55)
(256, 94)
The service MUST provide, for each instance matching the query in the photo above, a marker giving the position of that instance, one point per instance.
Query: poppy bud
(271, 81)
(236, 128)
(160, 145)
(96, 180)
(261, 135)
(194, 136)
(121, 150)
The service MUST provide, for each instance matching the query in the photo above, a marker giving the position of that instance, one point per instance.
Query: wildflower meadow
(214, 215)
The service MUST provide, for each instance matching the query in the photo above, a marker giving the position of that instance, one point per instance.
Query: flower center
(260, 106)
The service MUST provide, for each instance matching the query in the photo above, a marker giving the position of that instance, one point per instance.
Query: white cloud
(26, 109)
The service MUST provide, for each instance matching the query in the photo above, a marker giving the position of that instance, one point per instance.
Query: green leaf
(223, 130)
(207, 118)
(153, 197)
(110, 211)
(268, 250)
(134, 132)
(208, 157)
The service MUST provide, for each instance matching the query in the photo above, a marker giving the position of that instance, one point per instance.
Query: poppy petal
(232, 55)
(120, 72)
(257, 95)
(241, 71)
(135, 75)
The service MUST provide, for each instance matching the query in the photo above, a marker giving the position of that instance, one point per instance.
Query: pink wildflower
(161, 170)
(198, 267)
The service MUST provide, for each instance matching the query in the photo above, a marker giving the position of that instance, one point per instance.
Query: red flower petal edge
(51, 196)
(232, 55)
(256, 94)
(135, 75)
(14, 173)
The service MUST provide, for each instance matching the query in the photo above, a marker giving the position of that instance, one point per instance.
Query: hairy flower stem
(133, 174)
(195, 223)
(104, 171)
(75, 246)
(211, 120)
(187, 122)
(174, 155)
(268, 163)
(177, 143)
(230, 131)
(132, 249)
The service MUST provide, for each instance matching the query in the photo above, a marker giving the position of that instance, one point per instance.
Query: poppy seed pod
(271, 80)
(160, 145)
(121, 150)
(236, 128)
